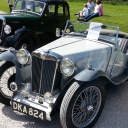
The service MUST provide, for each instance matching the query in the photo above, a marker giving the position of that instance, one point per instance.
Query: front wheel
(82, 105)
(7, 75)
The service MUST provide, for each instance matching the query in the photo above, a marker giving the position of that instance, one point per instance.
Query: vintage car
(70, 73)
(32, 23)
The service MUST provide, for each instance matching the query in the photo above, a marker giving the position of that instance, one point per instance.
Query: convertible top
(113, 33)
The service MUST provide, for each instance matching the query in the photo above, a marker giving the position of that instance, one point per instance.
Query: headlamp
(7, 29)
(23, 56)
(67, 67)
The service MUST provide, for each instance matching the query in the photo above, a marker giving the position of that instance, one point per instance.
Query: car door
(48, 20)
(120, 59)
(62, 15)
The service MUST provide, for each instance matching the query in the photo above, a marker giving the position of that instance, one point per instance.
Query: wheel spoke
(4, 81)
(86, 106)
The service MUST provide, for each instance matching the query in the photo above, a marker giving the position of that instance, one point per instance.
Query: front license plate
(28, 110)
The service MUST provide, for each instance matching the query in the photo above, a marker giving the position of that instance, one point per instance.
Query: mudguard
(82, 77)
(89, 75)
(20, 33)
(23, 73)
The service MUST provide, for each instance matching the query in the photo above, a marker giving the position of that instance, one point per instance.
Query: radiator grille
(43, 74)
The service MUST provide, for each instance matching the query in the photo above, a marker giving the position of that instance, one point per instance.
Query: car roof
(52, 1)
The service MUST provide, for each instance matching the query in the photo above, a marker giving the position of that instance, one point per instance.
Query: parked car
(32, 23)
(69, 73)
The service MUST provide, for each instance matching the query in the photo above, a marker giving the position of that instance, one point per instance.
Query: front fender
(89, 75)
(82, 77)
(11, 41)
(23, 73)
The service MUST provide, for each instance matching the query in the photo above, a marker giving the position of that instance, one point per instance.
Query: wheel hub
(24, 46)
(90, 108)
(11, 79)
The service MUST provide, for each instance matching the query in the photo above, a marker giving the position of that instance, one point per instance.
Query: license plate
(28, 110)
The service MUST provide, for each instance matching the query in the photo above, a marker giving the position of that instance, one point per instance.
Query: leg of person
(88, 16)
(93, 15)
(10, 7)
(89, 12)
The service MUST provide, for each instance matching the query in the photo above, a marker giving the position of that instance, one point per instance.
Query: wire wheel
(86, 106)
(6, 78)
(82, 105)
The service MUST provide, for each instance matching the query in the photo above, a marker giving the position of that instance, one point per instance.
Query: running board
(120, 79)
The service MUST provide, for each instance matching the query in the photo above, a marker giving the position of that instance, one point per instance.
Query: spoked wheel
(7, 75)
(82, 105)
(26, 43)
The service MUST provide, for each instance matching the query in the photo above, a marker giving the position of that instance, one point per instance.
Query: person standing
(90, 6)
(10, 3)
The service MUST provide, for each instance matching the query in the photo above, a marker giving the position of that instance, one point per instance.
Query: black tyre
(7, 75)
(26, 42)
(82, 105)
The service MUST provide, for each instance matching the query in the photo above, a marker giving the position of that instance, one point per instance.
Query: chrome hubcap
(90, 108)
(24, 46)
(86, 106)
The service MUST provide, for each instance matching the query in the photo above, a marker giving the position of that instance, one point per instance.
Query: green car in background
(32, 23)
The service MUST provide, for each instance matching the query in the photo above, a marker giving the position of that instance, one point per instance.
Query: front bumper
(31, 102)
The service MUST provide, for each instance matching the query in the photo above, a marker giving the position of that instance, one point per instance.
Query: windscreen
(29, 6)
(92, 30)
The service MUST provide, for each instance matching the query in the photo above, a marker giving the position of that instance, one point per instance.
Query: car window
(60, 10)
(39, 7)
(50, 10)
(32, 6)
(66, 11)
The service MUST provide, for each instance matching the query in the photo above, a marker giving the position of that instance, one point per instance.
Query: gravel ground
(115, 113)
(1, 12)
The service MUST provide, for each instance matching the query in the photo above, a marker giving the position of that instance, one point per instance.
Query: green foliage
(4, 5)
(113, 15)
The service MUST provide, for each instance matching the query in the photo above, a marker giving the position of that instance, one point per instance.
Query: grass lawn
(116, 15)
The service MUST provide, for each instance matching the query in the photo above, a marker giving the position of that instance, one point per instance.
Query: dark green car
(33, 23)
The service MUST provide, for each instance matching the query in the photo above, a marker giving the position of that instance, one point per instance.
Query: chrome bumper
(33, 102)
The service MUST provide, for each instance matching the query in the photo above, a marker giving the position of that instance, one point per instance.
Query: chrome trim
(54, 76)
(34, 103)
(44, 55)
(9, 27)
(39, 54)
(28, 56)
(67, 59)
(13, 84)
(4, 20)
(4, 23)
(13, 11)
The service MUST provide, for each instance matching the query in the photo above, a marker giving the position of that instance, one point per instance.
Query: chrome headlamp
(23, 56)
(7, 29)
(48, 97)
(67, 67)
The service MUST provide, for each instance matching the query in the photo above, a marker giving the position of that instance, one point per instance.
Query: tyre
(82, 105)
(7, 75)
(26, 43)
